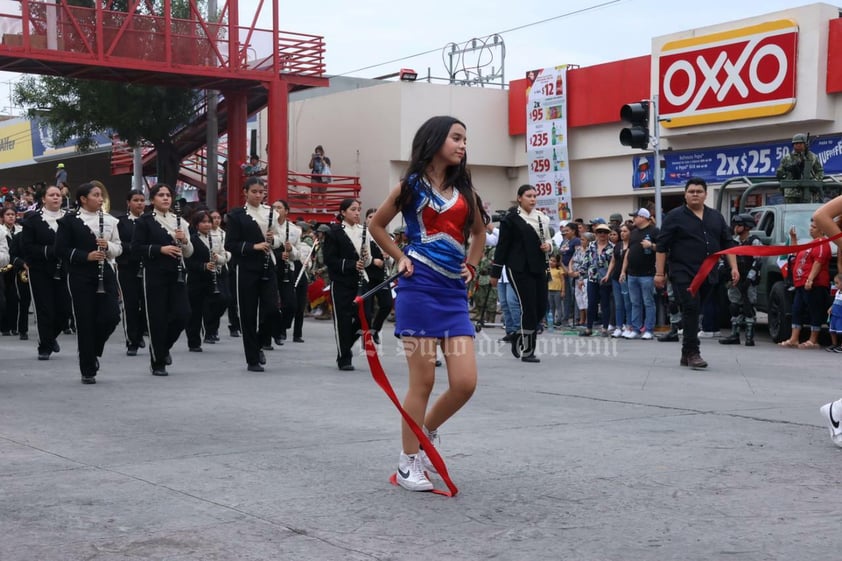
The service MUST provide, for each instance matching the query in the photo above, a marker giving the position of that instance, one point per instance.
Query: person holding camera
(320, 168)
(742, 296)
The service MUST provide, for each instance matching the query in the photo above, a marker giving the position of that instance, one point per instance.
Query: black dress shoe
(159, 371)
(24, 337)
(261, 358)
(215, 337)
(530, 358)
(141, 344)
(255, 368)
(195, 349)
(438, 362)
(131, 351)
(346, 367)
(297, 340)
(5, 333)
(209, 341)
(279, 342)
(43, 356)
(267, 348)
(375, 336)
(234, 332)
(56, 348)
(68, 331)
(168, 359)
(88, 380)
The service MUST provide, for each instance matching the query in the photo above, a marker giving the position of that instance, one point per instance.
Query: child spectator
(556, 286)
(835, 317)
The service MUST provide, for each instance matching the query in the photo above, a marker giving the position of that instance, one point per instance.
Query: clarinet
(268, 259)
(57, 272)
(214, 274)
(361, 281)
(287, 263)
(100, 277)
(546, 255)
(180, 278)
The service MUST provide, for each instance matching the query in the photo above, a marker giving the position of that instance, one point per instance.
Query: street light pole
(656, 145)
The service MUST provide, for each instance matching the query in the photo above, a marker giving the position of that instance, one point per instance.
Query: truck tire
(780, 313)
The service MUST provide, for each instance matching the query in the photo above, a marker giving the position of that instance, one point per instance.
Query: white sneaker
(617, 333)
(632, 335)
(411, 475)
(626, 333)
(706, 335)
(646, 336)
(833, 421)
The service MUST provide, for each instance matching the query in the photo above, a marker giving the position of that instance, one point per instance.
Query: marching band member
(88, 241)
(217, 237)
(15, 320)
(129, 274)
(203, 286)
(377, 274)
(286, 256)
(162, 243)
(251, 235)
(346, 261)
(46, 272)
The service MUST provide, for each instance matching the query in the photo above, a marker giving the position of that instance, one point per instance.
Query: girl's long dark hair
(426, 144)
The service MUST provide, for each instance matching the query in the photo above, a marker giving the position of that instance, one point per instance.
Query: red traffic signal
(637, 115)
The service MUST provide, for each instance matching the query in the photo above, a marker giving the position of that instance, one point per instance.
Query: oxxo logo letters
(739, 74)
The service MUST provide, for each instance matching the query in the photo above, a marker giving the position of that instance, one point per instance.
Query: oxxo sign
(740, 74)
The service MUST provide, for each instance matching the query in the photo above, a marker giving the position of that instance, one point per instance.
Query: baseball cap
(616, 217)
(60, 166)
(598, 221)
(323, 228)
(641, 212)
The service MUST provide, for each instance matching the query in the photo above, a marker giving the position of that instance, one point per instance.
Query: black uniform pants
(383, 299)
(167, 312)
(300, 302)
(216, 306)
(131, 287)
(52, 307)
(96, 315)
(346, 321)
(203, 303)
(531, 290)
(257, 300)
(18, 298)
(233, 314)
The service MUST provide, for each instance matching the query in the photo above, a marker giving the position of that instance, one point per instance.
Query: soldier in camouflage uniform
(485, 296)
(800, 164)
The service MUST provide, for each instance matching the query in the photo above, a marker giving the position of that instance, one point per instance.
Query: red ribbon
(382, 380)
(754, 251)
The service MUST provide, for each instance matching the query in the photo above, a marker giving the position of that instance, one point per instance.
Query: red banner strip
(754, 251)
(382, 380)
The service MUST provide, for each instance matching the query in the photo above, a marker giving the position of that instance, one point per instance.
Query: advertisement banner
(546, 141)
(717, 165)
(15, 144)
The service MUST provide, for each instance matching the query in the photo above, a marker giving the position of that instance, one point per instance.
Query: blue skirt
(428, 304)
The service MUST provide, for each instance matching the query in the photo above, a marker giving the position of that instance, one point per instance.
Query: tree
(84, 108)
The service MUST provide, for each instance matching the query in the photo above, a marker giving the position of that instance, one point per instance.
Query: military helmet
(800, 137)
(745, 220)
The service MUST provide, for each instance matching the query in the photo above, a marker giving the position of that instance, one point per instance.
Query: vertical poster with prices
(546, 141)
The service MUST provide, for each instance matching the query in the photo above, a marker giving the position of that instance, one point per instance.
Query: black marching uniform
(341, 252)
(130, 278)
(304, 250)
(519, 251)
(46, 278)
(164, 298)
(96, 315)
(254, 276)
(15, 320)
(203, 289)
(286, 272)
(383, 297)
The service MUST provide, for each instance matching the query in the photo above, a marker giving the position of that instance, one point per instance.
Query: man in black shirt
(688, 235)
(639, 271)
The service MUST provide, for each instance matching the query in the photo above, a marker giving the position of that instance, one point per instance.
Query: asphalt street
(606, 450)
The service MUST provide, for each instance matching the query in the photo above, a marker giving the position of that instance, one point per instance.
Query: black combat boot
(734, 337)
(749, 335)
(670, 336)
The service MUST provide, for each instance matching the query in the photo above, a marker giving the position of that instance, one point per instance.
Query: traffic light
(637, 115)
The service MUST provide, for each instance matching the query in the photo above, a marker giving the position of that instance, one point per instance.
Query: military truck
(798, 201)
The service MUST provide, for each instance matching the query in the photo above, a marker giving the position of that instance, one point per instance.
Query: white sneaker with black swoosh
(411, 474)
(831, 413)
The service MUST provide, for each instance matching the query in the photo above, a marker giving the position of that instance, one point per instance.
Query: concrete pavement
(607, 450)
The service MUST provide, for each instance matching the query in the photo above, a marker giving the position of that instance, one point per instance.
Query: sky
(364, 38)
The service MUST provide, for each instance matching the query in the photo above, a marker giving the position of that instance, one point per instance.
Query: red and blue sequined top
(434, 228)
